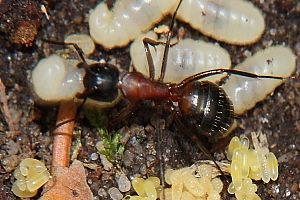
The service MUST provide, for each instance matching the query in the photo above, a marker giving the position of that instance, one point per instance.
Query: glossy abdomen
(206, 106)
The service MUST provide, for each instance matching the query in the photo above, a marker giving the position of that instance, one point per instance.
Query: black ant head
(101, 82)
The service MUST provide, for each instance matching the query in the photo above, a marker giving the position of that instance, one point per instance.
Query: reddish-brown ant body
(202, 104)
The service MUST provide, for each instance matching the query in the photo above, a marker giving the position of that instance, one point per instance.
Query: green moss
(113, 149)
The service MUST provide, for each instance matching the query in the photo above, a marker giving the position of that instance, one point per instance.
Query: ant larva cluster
(188, 57)
(262, 61)
(232, 21)
(247, 164)
(31, 175)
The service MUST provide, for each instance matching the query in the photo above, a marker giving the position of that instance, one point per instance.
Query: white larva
(56, 79)
(186, 58)
(128, 18)
(84, 42)
(246, 92)
(231, 21)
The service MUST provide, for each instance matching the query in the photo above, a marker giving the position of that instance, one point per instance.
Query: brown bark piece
(68, 183)
(63, 134)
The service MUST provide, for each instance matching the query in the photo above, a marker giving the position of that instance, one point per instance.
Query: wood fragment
(68, 183)
(63, 134)
(4, 108)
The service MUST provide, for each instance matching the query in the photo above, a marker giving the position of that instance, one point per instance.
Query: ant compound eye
(56, 79)
(101, 82)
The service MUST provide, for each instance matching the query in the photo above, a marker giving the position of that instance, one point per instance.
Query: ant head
(101, 82)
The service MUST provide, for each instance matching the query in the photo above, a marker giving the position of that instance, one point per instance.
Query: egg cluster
(31, 175)
(247, 164)
(184, 185)
(146, 189)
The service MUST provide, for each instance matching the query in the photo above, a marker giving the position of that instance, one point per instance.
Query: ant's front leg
(153, 43)
(149, 57)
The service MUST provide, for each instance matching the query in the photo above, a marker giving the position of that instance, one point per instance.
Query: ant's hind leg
(125, 112)
(194, 138)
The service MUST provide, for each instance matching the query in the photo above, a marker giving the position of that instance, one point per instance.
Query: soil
(28, 134)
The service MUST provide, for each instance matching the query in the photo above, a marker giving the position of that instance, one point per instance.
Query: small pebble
(128, 158)
(297, 48)
(273, 31)
(12, 147)
(9, 163)
(124, 183)
(115, 194)
(102, 193)
(94, 156)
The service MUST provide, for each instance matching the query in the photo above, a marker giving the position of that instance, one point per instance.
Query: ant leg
(194, 138)
(125, 112)
(159, 127)
(213, 72)
(153, 43)
(166, 51)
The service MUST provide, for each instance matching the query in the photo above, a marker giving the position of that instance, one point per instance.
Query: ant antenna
(77, 48)
(213, 72)
(166, 51)
(85, 66)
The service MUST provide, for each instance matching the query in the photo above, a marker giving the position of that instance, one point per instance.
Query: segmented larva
(186, 58)
(231, 21)
(117, 27)
(84, 42)
(58, 77)
(55, 78)
(246, 92)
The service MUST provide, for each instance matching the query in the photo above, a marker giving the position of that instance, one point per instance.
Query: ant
(202, 104)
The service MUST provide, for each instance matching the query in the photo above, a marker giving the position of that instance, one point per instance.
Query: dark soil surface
(277, 116)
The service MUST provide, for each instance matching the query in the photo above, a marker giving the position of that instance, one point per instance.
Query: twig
(63, 134)
(4, 108)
